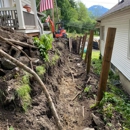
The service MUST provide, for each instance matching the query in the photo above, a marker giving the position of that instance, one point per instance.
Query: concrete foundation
(125, 82)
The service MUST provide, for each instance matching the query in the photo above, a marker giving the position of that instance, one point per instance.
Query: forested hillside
(74, 15)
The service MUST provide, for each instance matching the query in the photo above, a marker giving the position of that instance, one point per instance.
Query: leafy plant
(115, 100)
(44, 43)
(112, 101)
(87, 89)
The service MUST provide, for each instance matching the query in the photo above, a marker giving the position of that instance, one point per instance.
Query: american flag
(46, 4)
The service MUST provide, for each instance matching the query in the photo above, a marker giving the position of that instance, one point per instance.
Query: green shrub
(44, 43)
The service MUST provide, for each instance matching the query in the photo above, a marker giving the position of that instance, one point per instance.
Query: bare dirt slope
(64, 79)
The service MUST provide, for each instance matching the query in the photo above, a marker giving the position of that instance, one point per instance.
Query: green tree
(75, 15)
(73, 3)
(82, 12)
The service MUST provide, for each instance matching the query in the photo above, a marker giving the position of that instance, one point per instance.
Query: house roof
(122, 5)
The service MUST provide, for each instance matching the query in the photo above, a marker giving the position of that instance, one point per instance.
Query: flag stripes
(46, 4)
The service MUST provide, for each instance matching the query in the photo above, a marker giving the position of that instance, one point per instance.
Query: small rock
(75, 121)
(2, 73)
(30, 41)
(97, 120)
(71, 104)
(107, 128)
(7, 64)
(60, 45)
(24, 60)
(88, 128)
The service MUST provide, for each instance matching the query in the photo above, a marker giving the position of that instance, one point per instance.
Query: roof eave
(102, 17)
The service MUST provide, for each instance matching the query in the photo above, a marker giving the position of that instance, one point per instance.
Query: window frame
(1, 3)
(128, 51)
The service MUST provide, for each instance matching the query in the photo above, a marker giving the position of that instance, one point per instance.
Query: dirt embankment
(65, 79)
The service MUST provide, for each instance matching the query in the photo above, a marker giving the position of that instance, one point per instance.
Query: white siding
(120, 51)
(7, 3)
(24, 2)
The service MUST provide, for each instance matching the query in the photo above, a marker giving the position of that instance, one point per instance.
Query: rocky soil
(65, 80)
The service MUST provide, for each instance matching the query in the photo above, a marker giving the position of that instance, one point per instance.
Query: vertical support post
(34, 9)
(89, 51)
(70, 44)
(106, 63)
(20, 14)
(79, 45)
(84, 40)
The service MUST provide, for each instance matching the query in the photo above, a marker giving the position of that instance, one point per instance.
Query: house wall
(10, 3)
(24, 2)
(120, 58)
(7, 3)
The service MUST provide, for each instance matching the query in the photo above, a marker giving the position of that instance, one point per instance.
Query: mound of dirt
(72, 91)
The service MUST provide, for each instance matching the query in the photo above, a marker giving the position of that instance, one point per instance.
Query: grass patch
(96, 62)
(11, 128)
(25, 79)
(24, 94)
(40, 70)
(55, 58)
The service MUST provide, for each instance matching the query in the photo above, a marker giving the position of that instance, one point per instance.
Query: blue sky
(106, 3)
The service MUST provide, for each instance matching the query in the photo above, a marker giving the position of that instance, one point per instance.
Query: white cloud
(106, 3)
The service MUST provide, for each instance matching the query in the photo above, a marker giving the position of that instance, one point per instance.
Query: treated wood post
(79, 45)
(106, 63)
(89, 51)
(70, 44)
(84, 40)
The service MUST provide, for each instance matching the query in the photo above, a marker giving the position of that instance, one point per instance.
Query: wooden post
(80, 39)
(84, 40)
(70, 44)
(89, 51)
(106, 63)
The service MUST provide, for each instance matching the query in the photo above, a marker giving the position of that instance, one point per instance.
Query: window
(1, 3)
(102, 31)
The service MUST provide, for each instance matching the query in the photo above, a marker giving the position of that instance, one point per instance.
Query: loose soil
(66, 81)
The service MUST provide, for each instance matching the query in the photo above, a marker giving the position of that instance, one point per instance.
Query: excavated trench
(65, 78)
